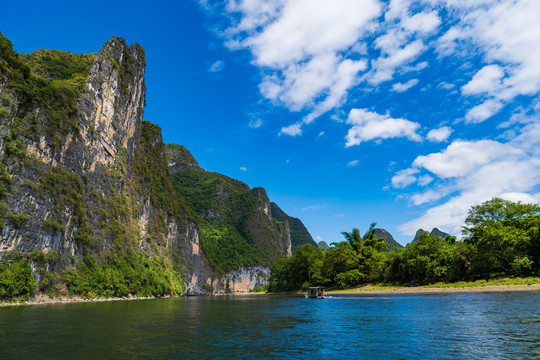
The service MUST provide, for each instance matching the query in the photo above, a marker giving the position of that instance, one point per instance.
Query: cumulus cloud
(369, 125)
(404, 178)
(439, 135)
(507, 34)
(483, 111)
(402, 87)
(422, 22)
(485, 80)
(292, 130)
(463, 157)
(301, 48)
(473, 172)
(313, 54)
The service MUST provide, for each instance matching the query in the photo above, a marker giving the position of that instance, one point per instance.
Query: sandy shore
(441, 290)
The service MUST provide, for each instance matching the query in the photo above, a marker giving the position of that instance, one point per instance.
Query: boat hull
(315, 297)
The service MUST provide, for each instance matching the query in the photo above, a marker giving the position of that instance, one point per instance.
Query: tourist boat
(317, 292)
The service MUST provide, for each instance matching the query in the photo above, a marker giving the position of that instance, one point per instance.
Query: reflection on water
(450, 326)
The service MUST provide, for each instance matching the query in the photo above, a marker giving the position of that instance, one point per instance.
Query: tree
(505, 235)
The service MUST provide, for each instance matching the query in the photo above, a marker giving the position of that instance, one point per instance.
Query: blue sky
(348, 112)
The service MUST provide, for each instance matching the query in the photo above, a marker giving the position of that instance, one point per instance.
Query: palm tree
(353, 236)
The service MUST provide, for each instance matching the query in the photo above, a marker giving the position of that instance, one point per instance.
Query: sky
(404, 113)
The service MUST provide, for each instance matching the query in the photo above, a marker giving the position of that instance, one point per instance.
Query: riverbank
(495, 285)
(439, 289)
(44, 299)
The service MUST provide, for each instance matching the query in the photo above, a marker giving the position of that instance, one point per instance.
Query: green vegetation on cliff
(91, 200)
(299, 234)
(502, 239)
(221, 206)
(48, 80)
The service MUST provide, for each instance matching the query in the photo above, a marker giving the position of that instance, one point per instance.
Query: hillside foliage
(502, 238)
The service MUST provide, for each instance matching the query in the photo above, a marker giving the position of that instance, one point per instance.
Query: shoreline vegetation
(501, 240)
(529, 284)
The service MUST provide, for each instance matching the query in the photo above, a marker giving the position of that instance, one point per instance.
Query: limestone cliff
(299, 234)
(388, 238)
(87, 184)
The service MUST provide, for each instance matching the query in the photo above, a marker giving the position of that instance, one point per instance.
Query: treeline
(502, 238)
(118, 275)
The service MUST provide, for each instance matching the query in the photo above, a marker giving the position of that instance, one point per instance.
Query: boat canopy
(316, 287)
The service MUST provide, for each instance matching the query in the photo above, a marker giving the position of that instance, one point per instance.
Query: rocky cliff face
(388, 238)
(82, 174)
(299, 234)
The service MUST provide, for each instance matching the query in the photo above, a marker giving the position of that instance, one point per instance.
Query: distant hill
(323, 245)
(393, 244)
(435, 232)
(299, 234)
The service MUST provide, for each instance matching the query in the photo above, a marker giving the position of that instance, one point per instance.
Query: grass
(367, 288)
(492, 282)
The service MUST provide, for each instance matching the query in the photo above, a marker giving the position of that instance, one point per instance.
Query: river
(412, 326)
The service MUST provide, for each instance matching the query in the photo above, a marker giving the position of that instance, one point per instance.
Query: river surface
(417, 326)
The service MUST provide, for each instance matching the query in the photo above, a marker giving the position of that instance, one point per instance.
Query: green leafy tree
(505, 235)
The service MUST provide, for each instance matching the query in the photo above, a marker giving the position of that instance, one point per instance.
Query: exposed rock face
(110, 113)
(434, 232)
(242, 280)
(299, 234)
(439, 233)
(179, 158)
(105, 182)
(388, 238)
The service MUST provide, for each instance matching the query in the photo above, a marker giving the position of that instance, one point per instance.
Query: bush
(16, 279)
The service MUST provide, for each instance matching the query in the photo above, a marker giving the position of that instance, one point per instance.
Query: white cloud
(339, 215)
(218, 66)
(483, 111)
(352, 163)
(507, 34)
(242, 168)
(402, 87)
(439, 135)
(424, 180)
(475, 172)
(369, 125)
(404, 178)
(303, 29)
(394, 56)
(463, 157)
(426, 197)
(422, 22)
(292, 130)
(300, 47)
(485, 80)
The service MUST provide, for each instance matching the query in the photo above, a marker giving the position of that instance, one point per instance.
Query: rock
(388, 238)
(299, 234)
(91, 177)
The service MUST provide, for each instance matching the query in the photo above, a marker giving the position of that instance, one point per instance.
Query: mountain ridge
(88, 187)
